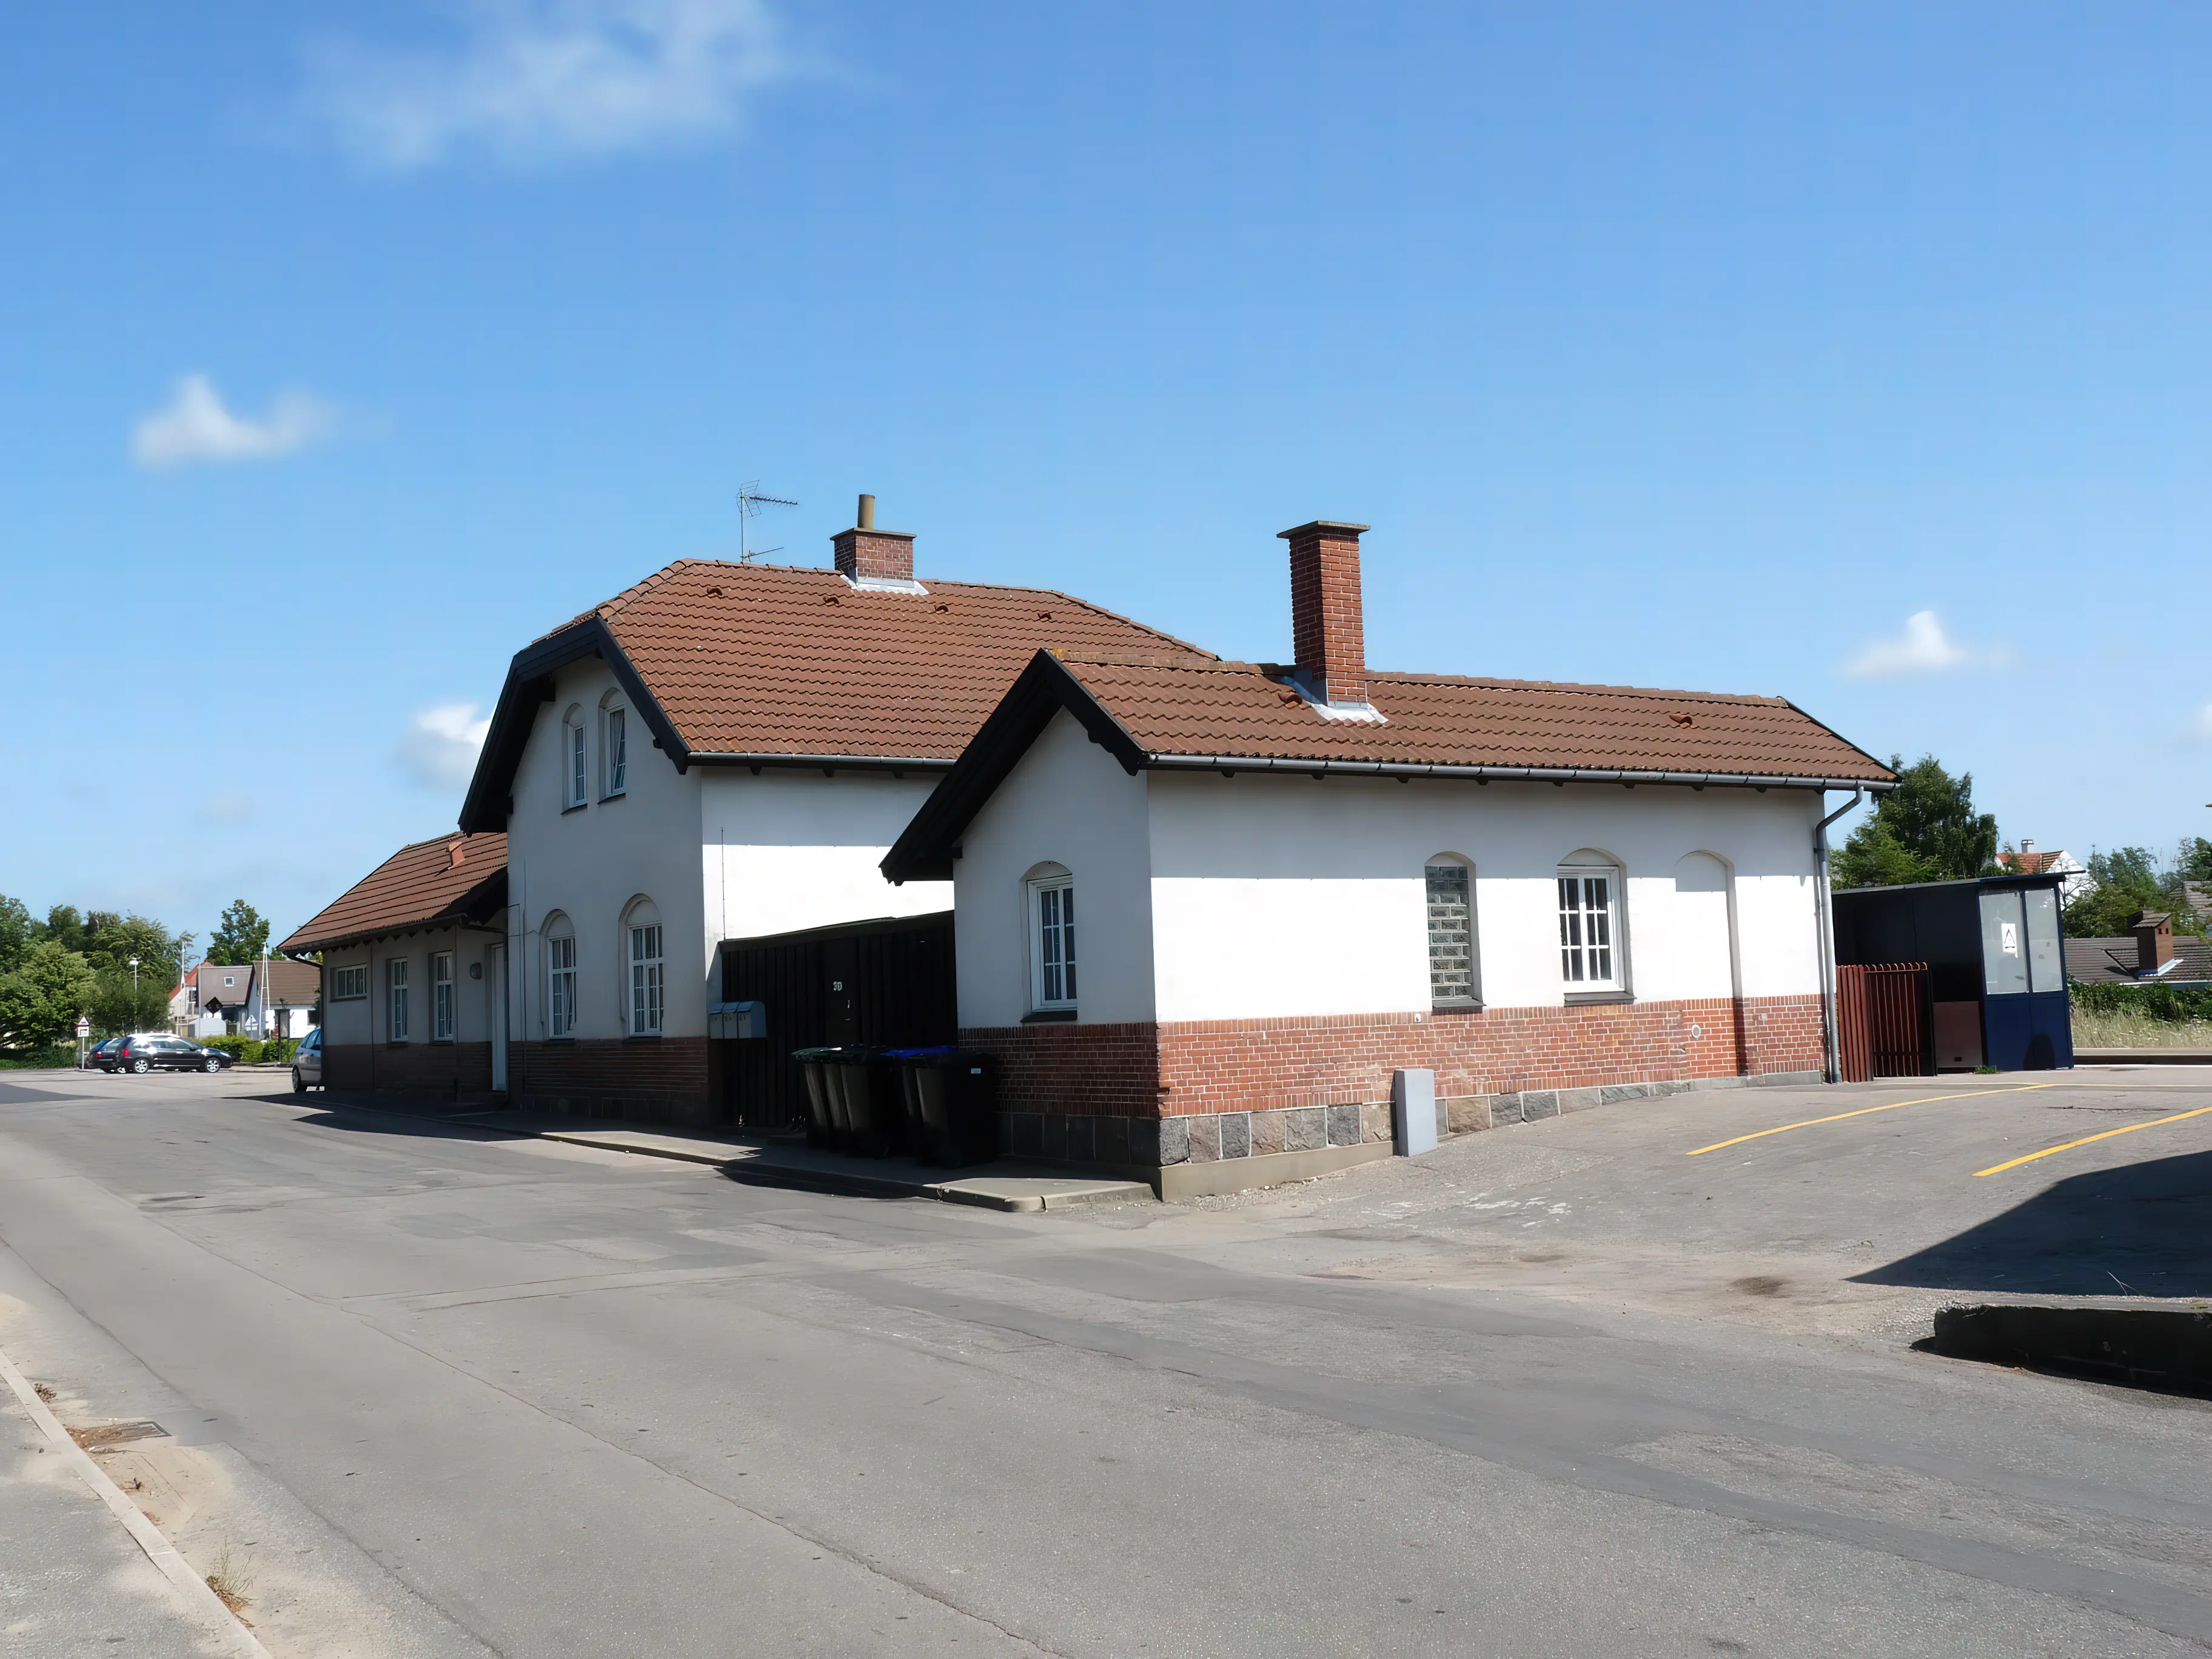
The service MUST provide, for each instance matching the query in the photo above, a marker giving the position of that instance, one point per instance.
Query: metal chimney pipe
(866, 519)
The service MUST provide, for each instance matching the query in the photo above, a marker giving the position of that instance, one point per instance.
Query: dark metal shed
(1995, 950)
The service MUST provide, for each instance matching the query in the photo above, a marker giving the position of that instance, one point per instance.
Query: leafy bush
(59, 1054)
(252, 1051)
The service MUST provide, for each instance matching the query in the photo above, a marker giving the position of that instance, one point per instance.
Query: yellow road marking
(1838, 1117)
(2126, 1129)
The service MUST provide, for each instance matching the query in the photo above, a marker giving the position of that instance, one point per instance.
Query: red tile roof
(1241, 710)
(450, 878)
(778, 659)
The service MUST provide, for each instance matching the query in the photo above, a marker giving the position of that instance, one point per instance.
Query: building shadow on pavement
(2142, 1229)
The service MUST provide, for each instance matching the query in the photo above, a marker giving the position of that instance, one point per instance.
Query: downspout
(1823, 906)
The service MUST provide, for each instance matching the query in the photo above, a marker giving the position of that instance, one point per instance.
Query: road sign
(83, 1026)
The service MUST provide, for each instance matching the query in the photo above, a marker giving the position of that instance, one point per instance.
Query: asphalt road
(1563, 1389)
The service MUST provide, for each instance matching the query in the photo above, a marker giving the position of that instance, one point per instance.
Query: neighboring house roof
(432, 883)
(2112, 961)
(1152, 712)
(2029, 864)
(208, 981)
(2199, 895)
(294, 984)
(771, 665)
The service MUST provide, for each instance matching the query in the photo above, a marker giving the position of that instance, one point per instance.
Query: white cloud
(539, 80)
(441, 747)
(197, 427)
(1924, 647)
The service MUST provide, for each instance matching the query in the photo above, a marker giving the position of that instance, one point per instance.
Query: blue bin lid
(919, 1054)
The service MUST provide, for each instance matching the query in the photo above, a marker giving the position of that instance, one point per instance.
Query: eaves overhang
(529, 684)
(475, 908)
(1520, 774)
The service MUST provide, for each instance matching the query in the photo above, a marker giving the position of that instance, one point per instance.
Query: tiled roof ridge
(607, 610)
(1222, 664)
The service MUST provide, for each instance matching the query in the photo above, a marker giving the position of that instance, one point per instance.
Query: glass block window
(1451, 933)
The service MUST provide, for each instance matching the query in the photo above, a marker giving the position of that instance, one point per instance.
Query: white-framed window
(647, 969)
(1590, 945)
(395, 997)
(441, 996)
(1052, 937)
(349, 984)
(560, 977)
(575, 752)
(1449, 882)
(614, 747)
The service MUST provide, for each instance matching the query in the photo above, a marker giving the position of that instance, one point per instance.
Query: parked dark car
(100, 1057)
(167, 1054)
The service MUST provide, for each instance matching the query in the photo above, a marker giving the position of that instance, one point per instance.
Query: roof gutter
(1519, 773)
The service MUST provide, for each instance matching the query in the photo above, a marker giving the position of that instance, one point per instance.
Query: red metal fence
(1883, 1020)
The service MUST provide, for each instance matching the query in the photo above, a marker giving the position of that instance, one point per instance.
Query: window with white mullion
(617, 750)
(646, 981)
(441, 996)
(561, 985)
(1052, 943)
(577, 771)
(1589, 953)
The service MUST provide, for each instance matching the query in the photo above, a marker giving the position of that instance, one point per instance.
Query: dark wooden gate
(1883, 1021)
(887, 981)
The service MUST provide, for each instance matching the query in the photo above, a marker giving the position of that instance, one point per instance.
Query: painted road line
(1838, 1117)
(2125, 1129)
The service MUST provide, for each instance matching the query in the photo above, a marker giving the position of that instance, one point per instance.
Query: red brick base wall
(1193, 1067)
(656, 1079)
(414, 1068)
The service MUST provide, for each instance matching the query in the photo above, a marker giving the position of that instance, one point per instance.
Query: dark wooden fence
(1884, 1020)
(890, 982)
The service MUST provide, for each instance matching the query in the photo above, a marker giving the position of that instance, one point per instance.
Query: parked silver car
(308, 1062)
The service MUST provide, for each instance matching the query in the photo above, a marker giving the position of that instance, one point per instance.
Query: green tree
(17, 930)
(241, 937)
(2195, 863)
(1925, 829)
(1873, 857)
(117, 1007)
(63, 926)
(110, 941)
(2128, 881)
(42, 996)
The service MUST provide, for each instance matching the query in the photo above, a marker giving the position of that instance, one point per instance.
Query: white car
(308, 1062)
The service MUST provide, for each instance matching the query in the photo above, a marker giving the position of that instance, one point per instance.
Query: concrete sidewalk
(72, 1580)
(770, 1161)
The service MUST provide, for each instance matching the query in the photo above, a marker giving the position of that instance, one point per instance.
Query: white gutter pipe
(1824, 908)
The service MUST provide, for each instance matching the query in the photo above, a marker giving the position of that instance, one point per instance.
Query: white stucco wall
(789, 849)
(1069, 803)
(1317, 886)
(592, 862)
(1205, 897)
(364, 1019)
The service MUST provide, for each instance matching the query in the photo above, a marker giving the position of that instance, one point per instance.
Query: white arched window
(575, 760)
(648, 968)
(614, 745)
(560, 976)
(1448, 880)
(1050, 892)
(1592, 959)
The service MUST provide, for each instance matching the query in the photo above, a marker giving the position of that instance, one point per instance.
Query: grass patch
(2124, 1029)
(230, 1580)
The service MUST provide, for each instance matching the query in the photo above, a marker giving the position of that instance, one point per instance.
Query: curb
(836, 1183)
(203, 1603)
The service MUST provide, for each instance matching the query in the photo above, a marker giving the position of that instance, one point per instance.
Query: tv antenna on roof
(750, 502)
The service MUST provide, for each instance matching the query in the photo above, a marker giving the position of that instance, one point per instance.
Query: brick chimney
(2153, 932)
(865, 554)
(1325, 631)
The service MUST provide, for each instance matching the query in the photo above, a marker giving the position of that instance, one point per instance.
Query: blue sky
(1857, 354)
